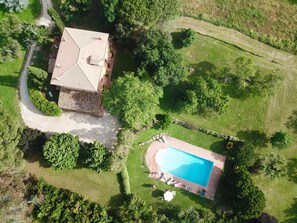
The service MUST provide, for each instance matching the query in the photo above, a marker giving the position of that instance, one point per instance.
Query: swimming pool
(185, 165)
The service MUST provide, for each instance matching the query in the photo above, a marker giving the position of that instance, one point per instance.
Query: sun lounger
(170, 181)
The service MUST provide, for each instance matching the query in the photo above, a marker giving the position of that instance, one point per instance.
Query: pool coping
(217, 159)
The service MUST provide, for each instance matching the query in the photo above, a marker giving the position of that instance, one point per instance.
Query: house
(82, 69)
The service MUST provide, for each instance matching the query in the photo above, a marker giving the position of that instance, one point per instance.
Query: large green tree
(252, 81)
(14, 5)
(61, 151)
(72, 10)
(280, 140)
(273, 165)
(94, 156)
(10, 155)
(136, 102)
(109, 9)
(158, 57)
(243, 154)
(204, 96)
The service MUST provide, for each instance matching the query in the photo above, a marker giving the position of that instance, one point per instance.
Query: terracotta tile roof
(73, 67)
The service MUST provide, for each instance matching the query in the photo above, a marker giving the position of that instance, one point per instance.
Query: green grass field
(276, 18)
(268, 114)
(138, 171)
(28, 15)
(102, 188)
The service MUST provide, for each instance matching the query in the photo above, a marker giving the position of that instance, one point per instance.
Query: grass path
(238, 39)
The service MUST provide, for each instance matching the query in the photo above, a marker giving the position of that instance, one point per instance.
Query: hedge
(125, 181)
(47, 107)
(55, 16)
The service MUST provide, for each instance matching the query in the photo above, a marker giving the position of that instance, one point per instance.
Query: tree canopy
(14, 5)
(134, 101)
(61, 151)
(204, 95)
(280, 140)
(273, 165)
(158, 57)
(10, 156)
(187, 37)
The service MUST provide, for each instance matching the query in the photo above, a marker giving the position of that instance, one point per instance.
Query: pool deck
(155, 169)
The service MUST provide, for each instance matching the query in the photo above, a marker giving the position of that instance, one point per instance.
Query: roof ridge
(86, 76)
(66, 29)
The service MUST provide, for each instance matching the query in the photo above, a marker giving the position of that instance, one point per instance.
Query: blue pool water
(185, 165)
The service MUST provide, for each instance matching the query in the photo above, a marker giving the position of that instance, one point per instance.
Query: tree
(136, 210)
(95, 156)
(207, 94)
(135, 102)
(266, 218)
(33, 34)
(73, 9)
(56, 17)
(244, 154)
(10, 50)
(10, 156)
(158, 57)
(273, 165)
(280, 140)
(164, 120)
(253, 82)
(39, 76)
(187, 37)
(31, 141)
(194, 215)
(14, 5)
(61, 151)
(109, 9)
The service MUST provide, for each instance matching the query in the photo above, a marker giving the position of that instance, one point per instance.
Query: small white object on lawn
(168, 196)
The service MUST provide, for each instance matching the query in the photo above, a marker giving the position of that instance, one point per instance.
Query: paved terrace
(197, 151)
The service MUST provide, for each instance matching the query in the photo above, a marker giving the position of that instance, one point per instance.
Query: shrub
(280, 140)
(164, 120)
(125, 181)
(39, 76)
(55, 16)
(31, 141)
(47, 107)
(61, 151)
(14, 5)
(243, 154)
(187, 37)
(273, 165)
(94, 156)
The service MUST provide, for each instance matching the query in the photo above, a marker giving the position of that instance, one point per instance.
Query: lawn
(28, 15)
(138, 171)
(277, 18)
(102, 188)
(9, 76)
(268, 114)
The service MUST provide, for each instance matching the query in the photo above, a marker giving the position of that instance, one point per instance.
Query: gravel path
(88, 128)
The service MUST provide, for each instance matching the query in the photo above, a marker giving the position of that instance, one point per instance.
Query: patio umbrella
(168, 196)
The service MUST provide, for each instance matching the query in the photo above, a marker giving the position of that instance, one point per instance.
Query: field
(138, 171)
(268, 114)
(277, 18)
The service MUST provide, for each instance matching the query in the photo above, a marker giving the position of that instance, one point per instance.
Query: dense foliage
(194, 215)
(163, 120)
(205, 95)
(273, 165)
(61, 151)
(10, 156)
(14, 5)
(109, 9)
(39, 76)
(125, 181)
(94, 156)
(187, 37)
(280, 140)
(72, 10)
(120, 153)
(31, 141)
(158, 57)
(134, 101)
(251, 81)
(243, 154)
(56, 17)
(58, 205)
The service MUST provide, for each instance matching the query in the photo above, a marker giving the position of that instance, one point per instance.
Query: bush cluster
(42, 104)
(55, 16)
(187, 37)
(125, 181)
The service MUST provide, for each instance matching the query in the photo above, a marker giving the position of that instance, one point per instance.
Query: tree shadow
(291, 212)
(201, 69)
(168, 209)
(255, 137)
(232, 90)
(218, 147)
(176, 40)
(157, 193)
(8, 81)
(292, 170)
(292, 121)
(116, 200)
